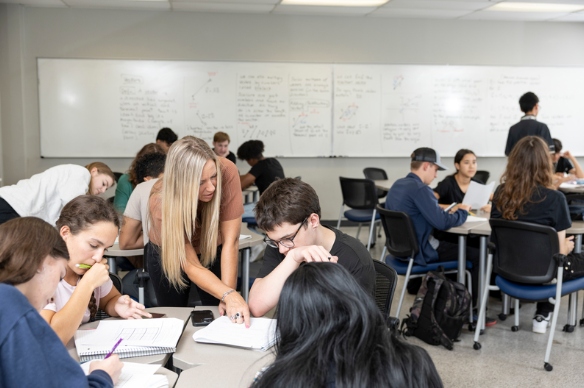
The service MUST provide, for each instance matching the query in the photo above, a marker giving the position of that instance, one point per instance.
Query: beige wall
(28, 33)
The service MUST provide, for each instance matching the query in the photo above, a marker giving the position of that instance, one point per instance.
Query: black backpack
(439, 311)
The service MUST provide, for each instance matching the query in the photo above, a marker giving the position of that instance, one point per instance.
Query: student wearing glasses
(289, 212)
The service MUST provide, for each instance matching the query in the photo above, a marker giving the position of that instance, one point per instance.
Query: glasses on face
(285, 242)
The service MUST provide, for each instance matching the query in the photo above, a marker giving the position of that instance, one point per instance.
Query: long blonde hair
(180, 200)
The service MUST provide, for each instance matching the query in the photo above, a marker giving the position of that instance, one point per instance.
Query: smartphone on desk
(202, 317)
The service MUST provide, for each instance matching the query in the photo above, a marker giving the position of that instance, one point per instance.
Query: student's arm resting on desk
(265, 293)
(577, 170)
(131, 234)
(434, 214)
(247, 180)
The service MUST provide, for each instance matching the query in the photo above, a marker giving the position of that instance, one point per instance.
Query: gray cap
(426, 154)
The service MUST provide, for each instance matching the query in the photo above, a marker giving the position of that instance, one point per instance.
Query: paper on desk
(244, 236)
(136, 375)
(470, 218)
(261, 334)
(567, 185)
(478, 195)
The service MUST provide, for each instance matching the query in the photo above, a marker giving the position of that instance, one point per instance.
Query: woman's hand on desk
(233, 305)
(311, 253)
(112, 366)
(128, 308)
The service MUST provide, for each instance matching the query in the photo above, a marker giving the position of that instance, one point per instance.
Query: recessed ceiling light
(337, 3)
(535, 7)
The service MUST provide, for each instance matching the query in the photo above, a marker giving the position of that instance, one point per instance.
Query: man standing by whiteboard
(528, 126)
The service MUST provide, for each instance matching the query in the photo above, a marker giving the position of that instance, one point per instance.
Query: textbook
(136, 375)
(140, 337)
(261, 334)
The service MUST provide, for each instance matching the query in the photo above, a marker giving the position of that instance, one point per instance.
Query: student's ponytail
(92, 307)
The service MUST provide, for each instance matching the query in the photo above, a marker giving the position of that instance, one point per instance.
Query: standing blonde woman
(195, 214)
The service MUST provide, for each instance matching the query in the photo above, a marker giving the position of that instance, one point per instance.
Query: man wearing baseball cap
(414, 196)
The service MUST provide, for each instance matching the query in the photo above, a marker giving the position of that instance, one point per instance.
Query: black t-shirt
(230, 156)
(265, 172)
(527, 127)
(449, 190)
(352, 254)
(546, 207)
(564, 165)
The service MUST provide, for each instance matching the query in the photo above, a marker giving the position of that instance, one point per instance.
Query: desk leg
(113, 267)
(482, 281)
(573, 299)
(461, 258)
(246, 200)
(256, 196)
(245, 273)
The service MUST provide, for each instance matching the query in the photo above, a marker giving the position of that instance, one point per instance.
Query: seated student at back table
(128, 181)
(526, 194)
(331, 334)
(413, 196)
(135, 224)
(289, 213)
(528, 125)
(263, 171)
(165, 138)
(565, 163)
(221, 142)
(33, 258)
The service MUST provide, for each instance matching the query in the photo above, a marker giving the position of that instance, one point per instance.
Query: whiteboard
(111, 108)
(390, 110)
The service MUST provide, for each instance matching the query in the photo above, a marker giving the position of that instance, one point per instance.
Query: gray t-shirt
(137, 207)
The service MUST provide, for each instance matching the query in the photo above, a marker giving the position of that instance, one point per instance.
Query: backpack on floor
(440, 310)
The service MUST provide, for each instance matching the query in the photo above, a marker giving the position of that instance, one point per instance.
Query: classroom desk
(245, 249)
(171, 312)
(115, 251)
(170, 375)
(240, 374)
(253, 191)
(383, 184)
(190, 354)
(572, 190)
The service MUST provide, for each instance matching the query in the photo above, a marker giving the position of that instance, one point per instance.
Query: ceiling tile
(438, 4)
(233, 1)
(419, 13)
(318, 10)
(222, 7)
(512, 16)
(37, 3)
(119, 4)
(571, 17)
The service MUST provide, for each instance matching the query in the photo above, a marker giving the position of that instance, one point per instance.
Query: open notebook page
(137, 376)
(260, 335)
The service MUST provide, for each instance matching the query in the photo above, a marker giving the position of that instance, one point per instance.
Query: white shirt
(45, 194)
(137, 207)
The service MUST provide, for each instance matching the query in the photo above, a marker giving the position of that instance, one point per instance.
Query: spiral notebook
(140, 337)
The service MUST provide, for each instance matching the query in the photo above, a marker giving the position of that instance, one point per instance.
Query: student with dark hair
(128, 181)
(565, 163)
(263, 171)
(453, 187)
(221, 142)
(526, 194)
(33, 259)
(528, 126)
(289, 213)
(165, 138)
(331, 334)
(88, 225)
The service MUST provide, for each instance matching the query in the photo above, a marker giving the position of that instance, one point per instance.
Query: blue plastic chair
(525, 256)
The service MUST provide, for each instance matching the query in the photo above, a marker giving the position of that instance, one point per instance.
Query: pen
(115, 346)
(82, 266)
(450, 207)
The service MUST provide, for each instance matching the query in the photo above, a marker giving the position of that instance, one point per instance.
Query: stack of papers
(261, 334)
(140, 337)
(478, 195)
(470, 218)
(137, 376)
(571, 185)
(244, 236)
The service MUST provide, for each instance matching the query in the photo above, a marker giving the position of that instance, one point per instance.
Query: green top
(123, 190)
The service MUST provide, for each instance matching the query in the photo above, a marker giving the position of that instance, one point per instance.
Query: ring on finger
(232, 317)
(237, 316)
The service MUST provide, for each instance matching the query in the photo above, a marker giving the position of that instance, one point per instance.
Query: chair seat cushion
(361, 215)
(401, 266)
(537, 292)
(249, 220)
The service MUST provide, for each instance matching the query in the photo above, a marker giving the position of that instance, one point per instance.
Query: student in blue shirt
(33, 259)
(414, 196)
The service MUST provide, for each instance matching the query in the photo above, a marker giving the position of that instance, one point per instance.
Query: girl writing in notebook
(88, 225)
(196, 213)
(332, 334)
(33, 259)
(453, 187)
(44, 195)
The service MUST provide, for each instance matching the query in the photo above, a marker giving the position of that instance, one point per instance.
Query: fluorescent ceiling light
(337, 3)
(535, 7)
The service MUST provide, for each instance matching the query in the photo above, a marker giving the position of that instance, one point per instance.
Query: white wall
(28, 33)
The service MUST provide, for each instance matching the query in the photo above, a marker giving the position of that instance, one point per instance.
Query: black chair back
(118, 175)
(574, 197)
(482, 176)
(524, 251)
(117, 281)
(385, 282)
(401, 239)
(359, 193)
(376, 174)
